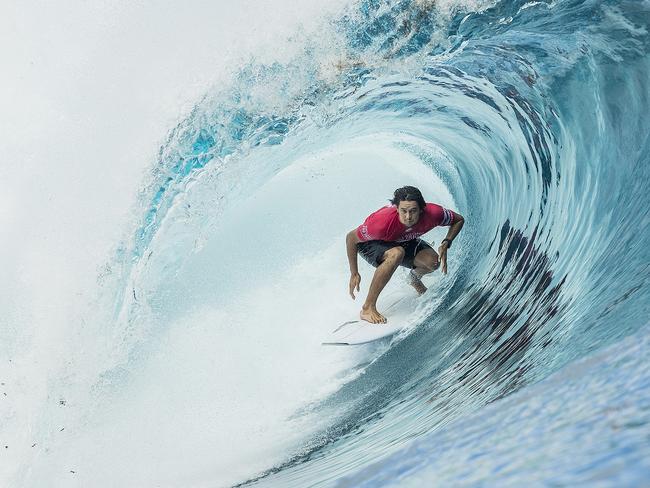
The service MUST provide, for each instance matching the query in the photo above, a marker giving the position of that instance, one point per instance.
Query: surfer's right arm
(351, 242)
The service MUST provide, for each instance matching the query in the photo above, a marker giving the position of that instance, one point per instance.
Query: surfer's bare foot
(370, 314)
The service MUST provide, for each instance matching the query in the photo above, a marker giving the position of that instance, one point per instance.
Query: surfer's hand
(355, 279)
(442, 252)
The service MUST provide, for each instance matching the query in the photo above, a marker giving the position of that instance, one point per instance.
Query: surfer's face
(409, 212)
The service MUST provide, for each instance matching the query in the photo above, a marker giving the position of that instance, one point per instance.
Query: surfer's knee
(427, 264)
(427, 261)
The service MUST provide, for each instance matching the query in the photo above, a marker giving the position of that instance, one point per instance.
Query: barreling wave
(533, 116)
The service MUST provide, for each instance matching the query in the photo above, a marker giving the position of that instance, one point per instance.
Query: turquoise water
(527, 363)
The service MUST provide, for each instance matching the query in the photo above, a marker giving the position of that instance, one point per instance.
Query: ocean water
(178, 182)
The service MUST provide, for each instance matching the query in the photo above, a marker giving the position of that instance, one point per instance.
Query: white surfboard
(398, 307)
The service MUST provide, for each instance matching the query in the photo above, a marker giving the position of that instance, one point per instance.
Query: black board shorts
(373, 251)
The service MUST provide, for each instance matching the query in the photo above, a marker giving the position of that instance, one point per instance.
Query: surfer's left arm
(454, 229)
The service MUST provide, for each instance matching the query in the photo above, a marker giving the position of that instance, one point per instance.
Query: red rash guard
(384, 224)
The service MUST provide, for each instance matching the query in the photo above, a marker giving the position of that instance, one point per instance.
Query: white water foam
(90, 92)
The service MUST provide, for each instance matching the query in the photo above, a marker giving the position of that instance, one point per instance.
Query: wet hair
(408, 193)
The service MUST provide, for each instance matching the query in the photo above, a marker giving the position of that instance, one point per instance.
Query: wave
(529, 118)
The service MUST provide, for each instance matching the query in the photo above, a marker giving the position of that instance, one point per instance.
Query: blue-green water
(529, 361)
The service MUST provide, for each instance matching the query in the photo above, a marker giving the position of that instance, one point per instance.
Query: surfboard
(397, 307)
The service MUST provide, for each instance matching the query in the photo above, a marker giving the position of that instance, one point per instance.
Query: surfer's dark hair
(408, 193)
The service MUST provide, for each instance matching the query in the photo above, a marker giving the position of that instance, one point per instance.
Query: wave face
(529, 118)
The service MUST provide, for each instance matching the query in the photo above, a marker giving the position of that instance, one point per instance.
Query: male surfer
(390, 237)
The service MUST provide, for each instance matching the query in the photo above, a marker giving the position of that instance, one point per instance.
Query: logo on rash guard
(364, 233)
(409, 236)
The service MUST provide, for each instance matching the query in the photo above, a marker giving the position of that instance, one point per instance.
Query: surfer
(390, 237)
